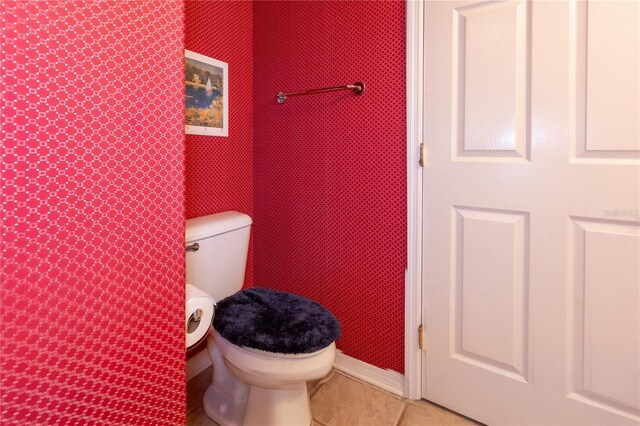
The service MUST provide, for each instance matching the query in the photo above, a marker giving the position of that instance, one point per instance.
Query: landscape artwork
(206, 83)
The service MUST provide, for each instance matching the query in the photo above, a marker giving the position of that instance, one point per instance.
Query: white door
(531, 199)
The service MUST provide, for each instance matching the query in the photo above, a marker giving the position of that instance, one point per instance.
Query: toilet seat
(275, 321)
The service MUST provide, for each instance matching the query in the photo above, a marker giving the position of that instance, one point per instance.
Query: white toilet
(250, 386)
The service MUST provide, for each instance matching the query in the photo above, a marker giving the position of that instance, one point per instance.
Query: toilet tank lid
(215, 224)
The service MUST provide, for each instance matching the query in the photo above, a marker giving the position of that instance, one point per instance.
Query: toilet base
(278, 406)
(255, 388)
(226, 398)
(221, 408)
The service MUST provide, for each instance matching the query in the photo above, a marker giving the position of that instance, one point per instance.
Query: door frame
(413, 275)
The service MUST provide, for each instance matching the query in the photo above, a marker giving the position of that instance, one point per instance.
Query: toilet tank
(218, 265)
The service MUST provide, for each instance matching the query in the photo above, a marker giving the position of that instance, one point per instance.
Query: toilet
(264, 344)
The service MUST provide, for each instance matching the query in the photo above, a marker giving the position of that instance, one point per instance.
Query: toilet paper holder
(194, 321)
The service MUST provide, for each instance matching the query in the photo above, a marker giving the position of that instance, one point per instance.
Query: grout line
(321, 382)
(314, 390)
(404, 410)
(193, 410)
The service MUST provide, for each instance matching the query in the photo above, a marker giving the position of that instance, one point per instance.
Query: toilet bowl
(265, 345)
(259, 370)
(274, 370)
(262, 388)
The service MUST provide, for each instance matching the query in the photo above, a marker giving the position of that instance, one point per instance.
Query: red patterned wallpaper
(219, 171)
(92, 213)
(330, 169)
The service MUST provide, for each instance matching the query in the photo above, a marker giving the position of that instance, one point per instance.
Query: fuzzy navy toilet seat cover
(275, 321)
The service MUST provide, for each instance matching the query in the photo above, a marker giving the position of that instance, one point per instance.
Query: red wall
(219, 171)
(92, 213)
(330, 185)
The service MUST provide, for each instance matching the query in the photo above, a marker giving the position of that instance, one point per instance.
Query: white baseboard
(198, 363)
(388, 380)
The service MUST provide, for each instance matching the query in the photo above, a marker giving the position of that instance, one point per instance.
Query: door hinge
(420, 338)
(421, 155)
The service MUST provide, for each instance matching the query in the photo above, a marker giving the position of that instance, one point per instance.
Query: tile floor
(340, 400)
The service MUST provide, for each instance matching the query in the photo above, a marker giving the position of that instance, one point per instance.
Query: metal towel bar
(358, 88)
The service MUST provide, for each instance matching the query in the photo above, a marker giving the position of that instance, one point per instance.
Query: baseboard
(388, 380)
(197, 364)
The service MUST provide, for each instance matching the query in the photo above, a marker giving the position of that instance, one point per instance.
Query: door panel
(491, 81)
(604, 358)
(609, 35)
(531, 211)
(490, 261)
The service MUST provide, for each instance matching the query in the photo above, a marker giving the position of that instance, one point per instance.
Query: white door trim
(413, 274)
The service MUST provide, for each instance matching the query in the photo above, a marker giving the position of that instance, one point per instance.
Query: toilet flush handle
(192, 247)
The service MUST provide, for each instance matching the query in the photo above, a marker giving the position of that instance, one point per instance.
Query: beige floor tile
(196, 388)
(345, 402)
(423, 413)
(200, 418)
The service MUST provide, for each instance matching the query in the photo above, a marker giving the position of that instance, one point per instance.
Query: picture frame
(206, 95)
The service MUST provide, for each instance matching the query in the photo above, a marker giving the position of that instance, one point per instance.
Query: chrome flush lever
(192, 247)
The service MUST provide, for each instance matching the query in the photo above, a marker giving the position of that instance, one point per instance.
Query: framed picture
(206, 83)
